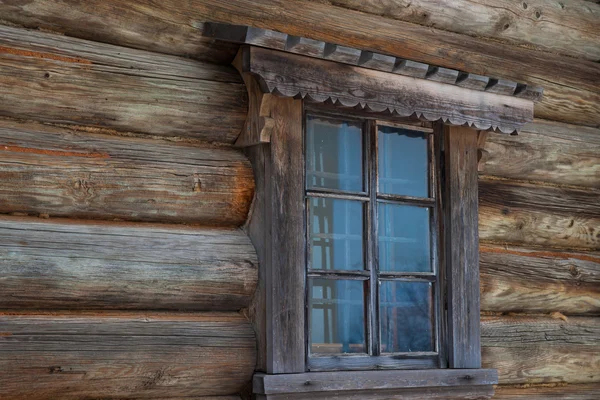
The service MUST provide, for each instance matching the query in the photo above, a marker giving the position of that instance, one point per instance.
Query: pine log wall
(124, 269)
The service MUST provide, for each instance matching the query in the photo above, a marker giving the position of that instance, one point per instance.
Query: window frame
(370, 196)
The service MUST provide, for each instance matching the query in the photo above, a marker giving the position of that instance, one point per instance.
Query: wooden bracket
(259, 124)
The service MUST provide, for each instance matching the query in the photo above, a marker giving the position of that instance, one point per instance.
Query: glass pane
(405, 315)
(403, 162)
(404, 241)
(336, 234)
(337, 316)
(334, 155)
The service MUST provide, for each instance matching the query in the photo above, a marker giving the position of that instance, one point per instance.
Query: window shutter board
(462, 247)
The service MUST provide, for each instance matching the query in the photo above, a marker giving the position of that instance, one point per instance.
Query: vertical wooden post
(286, 280)
(462, 246)
(277, 229)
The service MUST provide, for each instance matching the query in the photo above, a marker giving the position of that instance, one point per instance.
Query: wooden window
(373, 283)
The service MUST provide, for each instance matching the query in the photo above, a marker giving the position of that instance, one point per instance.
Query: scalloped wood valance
(273, 63)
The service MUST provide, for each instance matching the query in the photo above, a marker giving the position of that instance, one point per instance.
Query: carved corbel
(259, 124)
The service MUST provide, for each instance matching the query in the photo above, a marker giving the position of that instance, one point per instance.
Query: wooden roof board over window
(291, 66)
(285, 76)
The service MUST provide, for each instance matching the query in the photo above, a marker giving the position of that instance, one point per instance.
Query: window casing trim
(372, 197)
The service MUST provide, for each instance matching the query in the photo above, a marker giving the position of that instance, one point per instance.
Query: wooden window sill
(374, 385)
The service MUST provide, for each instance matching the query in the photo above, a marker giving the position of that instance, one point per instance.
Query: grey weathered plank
(72, 173)
(344, 54)
(66, 264)
(515, 279)
(501, 86)
(324, 81)
(443, 75)
(152, 356)
(531, 214)
(472, 81)
(462, 251)
(370, 380)
(305, 46)
(473, 392)
(285, 273)
(57, 79)
(246, 34)
(381, 62)
(410, 68)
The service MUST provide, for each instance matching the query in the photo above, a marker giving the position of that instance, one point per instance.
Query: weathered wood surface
(279, 41)
(559, 392)
(75, 265)
(541, 349)
(545, 151)
(571, 97)
(350, 381)
(523, 330)
(323, 81)
(69, 173)
(526, 214)
(569, 27)
(461, 393)
(57, 79)
(116, 356)
(462, 256)
(539, 281)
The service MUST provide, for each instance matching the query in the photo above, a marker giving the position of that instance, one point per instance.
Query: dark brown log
(545, 151)
(56, 79)
(75, 265)
(539, 281)
(522, 331)
(548, 392)
(116, 356)
(462, 255)
(69, 173)
(571, 97)
(526, 214)
(541, 349)
(568, 28)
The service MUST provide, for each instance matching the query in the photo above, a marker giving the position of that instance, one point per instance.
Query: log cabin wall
(124, 271)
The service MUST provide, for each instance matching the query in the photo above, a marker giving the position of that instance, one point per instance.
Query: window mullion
(371, 129)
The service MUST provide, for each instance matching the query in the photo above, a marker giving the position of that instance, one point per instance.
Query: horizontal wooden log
(69, 173)
(131, 356)
(526, 214)
(571, 97)
(566, 28)
(56, 79)
(545, 151)
(530, 350)
(548, 392)
(539, 281)
(82, 265)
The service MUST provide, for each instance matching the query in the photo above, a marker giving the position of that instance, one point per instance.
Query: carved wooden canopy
(274, 63)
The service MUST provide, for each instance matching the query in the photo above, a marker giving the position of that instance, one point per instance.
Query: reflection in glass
(337, 316)
(403, 238)
(403, 162)
(336, 234)
(333, 155)
(405, 315)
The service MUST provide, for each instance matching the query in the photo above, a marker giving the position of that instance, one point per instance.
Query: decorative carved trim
(367, 59)
(322, 81)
